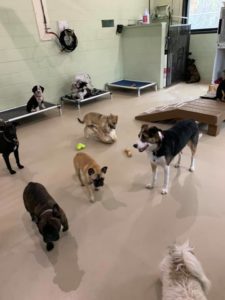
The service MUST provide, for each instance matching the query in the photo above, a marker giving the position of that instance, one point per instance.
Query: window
(203, 15)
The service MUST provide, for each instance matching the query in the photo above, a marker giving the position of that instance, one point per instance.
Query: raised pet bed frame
(20, 112)
(78, 102)
(136, 85)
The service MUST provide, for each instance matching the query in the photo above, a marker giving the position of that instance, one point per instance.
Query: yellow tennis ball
(80, 146)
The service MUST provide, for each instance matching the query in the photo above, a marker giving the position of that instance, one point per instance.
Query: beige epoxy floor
(113, 248)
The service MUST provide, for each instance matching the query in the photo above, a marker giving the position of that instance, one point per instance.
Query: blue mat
(131, 83)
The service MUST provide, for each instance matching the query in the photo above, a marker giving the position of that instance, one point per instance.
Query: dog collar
(8, 140)
(46, 211)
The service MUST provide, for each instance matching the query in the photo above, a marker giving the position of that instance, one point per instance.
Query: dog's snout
(135, 145)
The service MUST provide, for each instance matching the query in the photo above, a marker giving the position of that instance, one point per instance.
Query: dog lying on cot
(36, 102)
(45, 212)
(103, 126)
(163, 145)
(9, 143)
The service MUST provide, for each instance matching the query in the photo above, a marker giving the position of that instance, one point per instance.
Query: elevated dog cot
(78, 102)
(20, 112)
(136, 85)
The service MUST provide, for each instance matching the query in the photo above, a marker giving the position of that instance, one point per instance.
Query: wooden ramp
(205, 111)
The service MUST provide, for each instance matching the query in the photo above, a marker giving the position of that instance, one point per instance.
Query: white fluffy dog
(182, 275)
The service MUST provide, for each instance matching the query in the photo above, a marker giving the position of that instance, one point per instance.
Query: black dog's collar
(46, 211)
(7, 139)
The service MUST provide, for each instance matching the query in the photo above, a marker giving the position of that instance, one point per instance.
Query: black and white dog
(36, 102)
(163, 145)
(80, 90)
(9, 143)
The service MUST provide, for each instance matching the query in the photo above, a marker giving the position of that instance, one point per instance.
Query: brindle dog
(45, 212)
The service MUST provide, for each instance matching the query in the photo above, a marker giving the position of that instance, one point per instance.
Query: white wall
(203, 48)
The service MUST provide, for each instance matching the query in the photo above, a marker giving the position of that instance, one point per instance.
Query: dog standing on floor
(45, 212)
(89, 173)
(9, 143)
(163, 145)
(103, 126)
(36, 102)
(182, 275)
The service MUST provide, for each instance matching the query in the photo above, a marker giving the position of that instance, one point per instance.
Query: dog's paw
(92, 199)
(12, 172)
(191, 169)
(149, 186)
(177, 166)
(164, 191)
(20, 166)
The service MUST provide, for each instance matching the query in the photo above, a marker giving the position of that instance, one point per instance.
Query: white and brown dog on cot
(163, 145)
(182, 275)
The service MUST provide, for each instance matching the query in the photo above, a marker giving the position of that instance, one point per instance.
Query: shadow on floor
(63, 258)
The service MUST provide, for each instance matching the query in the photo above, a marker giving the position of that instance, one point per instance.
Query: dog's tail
(195, 267)
(82, 122)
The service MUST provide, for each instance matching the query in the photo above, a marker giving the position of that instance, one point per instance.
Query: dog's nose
(135, 145)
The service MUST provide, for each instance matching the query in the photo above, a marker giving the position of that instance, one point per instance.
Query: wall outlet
(63, 25)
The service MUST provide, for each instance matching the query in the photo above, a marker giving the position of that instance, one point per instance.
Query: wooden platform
(205, 111)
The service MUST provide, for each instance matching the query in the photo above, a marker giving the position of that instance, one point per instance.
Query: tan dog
(89, 172)
(103, 126)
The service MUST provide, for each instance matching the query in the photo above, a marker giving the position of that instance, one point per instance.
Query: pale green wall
(25, 60)
(203, 48)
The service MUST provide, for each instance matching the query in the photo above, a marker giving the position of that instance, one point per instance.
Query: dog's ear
(56, 211)
(153, 131)
(42, 88)
(34, 89)
(91, 171)
(144, 126)
(104, 169)
(154, 128)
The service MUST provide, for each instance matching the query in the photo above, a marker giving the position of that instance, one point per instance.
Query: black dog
(9, 143)
(45, 212)
(36, 102)
(220, 92)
